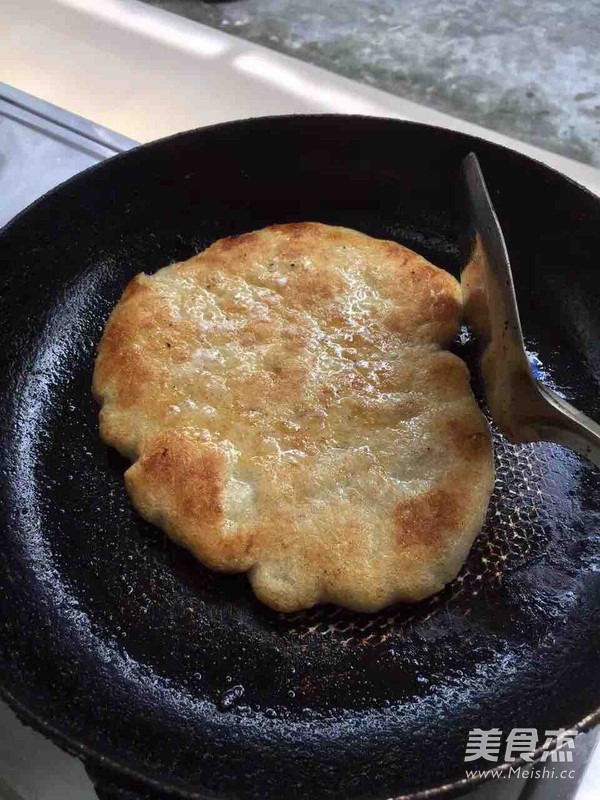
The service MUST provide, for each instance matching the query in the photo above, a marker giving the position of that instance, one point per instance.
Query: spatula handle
(569, 427)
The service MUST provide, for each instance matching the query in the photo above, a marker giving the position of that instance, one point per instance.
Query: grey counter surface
(527, 68)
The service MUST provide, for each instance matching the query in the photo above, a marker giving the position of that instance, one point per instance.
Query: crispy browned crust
(290, 412)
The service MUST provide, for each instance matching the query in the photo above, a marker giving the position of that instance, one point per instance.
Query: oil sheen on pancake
(290, 411)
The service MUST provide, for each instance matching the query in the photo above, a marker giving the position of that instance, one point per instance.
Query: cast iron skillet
(169, 680)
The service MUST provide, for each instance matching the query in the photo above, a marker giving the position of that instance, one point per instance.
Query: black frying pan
(170, 680)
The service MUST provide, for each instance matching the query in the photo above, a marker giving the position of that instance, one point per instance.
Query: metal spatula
(523, 408)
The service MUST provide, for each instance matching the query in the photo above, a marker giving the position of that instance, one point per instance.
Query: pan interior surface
(132, 648)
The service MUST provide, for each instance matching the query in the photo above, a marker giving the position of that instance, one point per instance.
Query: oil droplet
(291, 693)
(230, 697)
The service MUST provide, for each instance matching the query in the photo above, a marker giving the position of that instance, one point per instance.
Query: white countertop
(146, 73)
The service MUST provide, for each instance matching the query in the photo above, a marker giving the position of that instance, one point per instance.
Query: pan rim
(288, 117)
(85, 752)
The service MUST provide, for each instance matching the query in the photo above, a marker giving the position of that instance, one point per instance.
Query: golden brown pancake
(291, 412)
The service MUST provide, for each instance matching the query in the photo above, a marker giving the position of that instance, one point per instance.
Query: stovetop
(42, 145)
